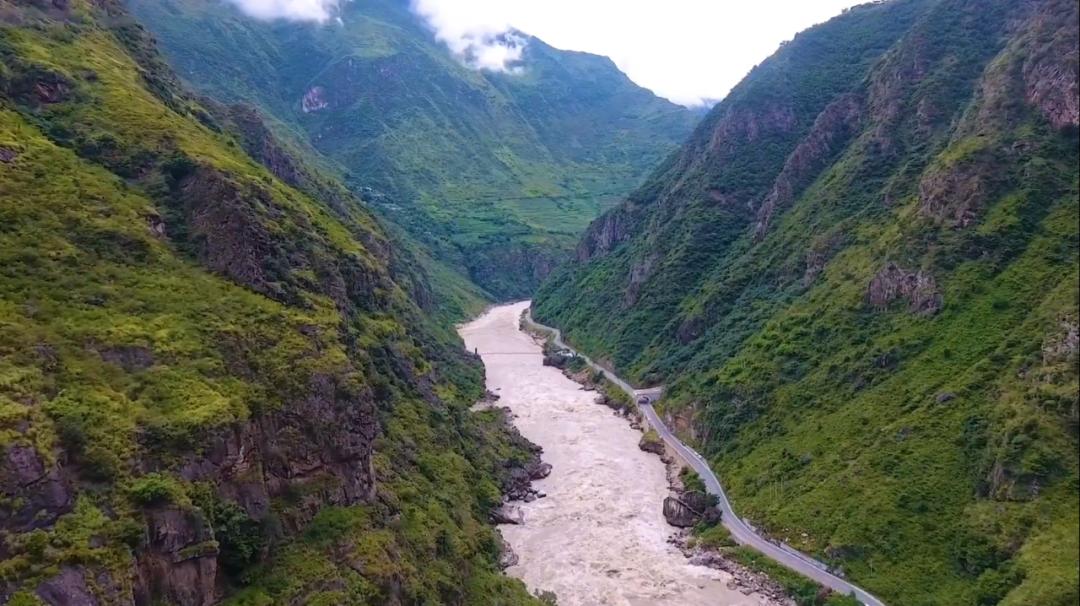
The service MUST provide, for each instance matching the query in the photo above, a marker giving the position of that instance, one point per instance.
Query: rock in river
(690, 508)
(508, 514)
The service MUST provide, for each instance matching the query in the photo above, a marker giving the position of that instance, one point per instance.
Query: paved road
(741, 532)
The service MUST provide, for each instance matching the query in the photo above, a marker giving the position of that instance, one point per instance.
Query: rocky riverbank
(683, 508)
(517, 478)
(743, 579)
(599, 535)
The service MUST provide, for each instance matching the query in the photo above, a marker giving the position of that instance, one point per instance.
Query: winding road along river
(599, 537)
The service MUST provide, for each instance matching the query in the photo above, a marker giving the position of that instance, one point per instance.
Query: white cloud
(294, 10)
(473, 32)
(686, 50)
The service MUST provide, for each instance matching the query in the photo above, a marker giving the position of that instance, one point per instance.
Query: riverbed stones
(538, 470)
(743, 579)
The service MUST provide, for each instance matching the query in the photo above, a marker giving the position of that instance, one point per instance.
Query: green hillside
(858, 281)
(219, 374)
(496, 174)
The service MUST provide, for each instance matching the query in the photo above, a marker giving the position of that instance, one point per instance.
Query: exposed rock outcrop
(833, 127)
(40, 87)
(319, 447)
(639, 273)
(689, 508)
(179, 563)
(314, 100)
(557, 358)
(605, 234)
(517, 477)
(262, 145)
(718, 140)
(518, 484)
(955, 193)
(747, 125)
(1050, 70)
(222, 219)
(892, 283)
(899, 74)
(507, 557)
(1064, 344)
(230, 226)
(35, 492)
(70, 587)
(817, 256)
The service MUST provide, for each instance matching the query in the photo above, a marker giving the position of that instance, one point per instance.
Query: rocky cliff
(847, 280)
(219, 371)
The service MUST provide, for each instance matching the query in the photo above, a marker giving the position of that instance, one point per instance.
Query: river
(598, 537)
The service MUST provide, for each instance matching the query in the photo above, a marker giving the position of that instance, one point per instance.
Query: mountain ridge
(857, 280)
(222, 379)
(493, 173)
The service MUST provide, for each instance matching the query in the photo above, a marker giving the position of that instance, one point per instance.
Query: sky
(689, 51)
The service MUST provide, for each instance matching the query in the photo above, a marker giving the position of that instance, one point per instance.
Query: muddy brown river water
(599, 537)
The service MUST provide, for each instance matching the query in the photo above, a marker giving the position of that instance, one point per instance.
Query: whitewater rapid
(599, 536)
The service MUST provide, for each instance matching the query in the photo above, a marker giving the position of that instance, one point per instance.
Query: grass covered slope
(496, 174)
(859, 282)
(213, 383)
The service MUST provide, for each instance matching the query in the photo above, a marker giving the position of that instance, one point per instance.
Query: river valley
(599, 536)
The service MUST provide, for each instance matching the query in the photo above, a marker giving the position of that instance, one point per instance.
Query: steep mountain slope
(496, 173)
(859, 282)
(215, 373)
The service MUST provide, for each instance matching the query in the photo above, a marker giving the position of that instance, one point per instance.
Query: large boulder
(690, 508)
(507, 557)
(650, 442)
(508, 514)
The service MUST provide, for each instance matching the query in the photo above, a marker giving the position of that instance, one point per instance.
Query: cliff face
(218, 370)
(860, 255)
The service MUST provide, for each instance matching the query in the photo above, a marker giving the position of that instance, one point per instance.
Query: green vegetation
(425, 541)
(494, 174)
(575, 364)
(712, 537)
(691, 480)
(206, 365)
(613, 396)
(651, 442)
(866, 308)
(804, 591)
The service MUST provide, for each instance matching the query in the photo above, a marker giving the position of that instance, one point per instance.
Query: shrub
(155, 489)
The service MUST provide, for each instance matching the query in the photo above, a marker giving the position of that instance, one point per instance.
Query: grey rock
(893, 283)
(67, 588)
(507, 557)
(508, 514)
